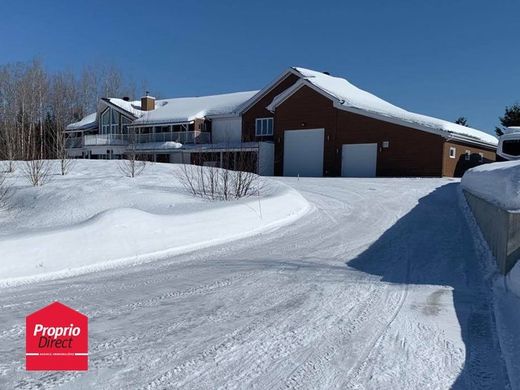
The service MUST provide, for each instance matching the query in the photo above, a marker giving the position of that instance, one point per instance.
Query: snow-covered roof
(349, 97)
(133, 108)
(512, 129)
(88, 122)
(185, 109)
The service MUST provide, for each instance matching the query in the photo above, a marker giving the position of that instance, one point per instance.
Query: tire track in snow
(220, 349)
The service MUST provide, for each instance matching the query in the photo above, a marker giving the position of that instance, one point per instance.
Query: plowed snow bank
(95, 219)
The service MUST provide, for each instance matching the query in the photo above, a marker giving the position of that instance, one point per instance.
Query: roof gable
(268, 88)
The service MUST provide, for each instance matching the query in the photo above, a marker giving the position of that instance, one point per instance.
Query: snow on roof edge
(350, 96)
(87, 122)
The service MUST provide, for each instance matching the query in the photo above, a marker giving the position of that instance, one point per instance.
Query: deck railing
(183, 137)
(105, 139)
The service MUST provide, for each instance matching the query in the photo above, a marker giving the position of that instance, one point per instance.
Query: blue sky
(441, 58)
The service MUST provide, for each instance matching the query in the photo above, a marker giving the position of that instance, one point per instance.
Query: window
(511, 147)
(264, 126)
(468, 155)
(125, 122)
(481, 157)
(115, 122)
(105, 122)
(453, 152)
(112, 122)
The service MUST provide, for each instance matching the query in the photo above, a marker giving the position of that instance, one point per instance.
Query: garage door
(359, 160)
(303, 152)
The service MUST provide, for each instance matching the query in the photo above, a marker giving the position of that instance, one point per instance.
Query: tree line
(510, 118)
(37, 104)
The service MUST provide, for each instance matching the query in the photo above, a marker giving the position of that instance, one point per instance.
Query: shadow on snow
(433, 245)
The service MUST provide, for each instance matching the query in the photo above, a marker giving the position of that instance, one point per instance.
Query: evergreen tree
(461, 120)
(511, 118)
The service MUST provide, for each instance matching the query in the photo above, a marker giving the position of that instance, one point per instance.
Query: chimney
(147, 102)
(126, 98)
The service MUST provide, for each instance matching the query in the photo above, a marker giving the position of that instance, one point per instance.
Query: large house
(304, 123)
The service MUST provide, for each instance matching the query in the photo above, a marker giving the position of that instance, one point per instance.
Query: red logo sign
(56, 338)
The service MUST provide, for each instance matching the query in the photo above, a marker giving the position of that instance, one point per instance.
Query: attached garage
(359, 160)
(303, 152)
(325, 126)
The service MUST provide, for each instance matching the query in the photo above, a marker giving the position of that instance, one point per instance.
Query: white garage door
(359, 160)
(303, 152)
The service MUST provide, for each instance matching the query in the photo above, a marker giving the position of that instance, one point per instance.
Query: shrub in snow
(133, 164)
(4, 191)
(65, 165)
(213, 183)
(37, 171)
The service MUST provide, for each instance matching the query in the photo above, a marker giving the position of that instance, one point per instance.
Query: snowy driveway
(378, 287)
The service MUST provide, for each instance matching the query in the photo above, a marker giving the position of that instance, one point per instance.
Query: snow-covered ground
(379, 286)
(499, 183)
(95, 218)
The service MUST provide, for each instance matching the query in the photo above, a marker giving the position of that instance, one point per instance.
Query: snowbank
(95, 218)
(498, 183)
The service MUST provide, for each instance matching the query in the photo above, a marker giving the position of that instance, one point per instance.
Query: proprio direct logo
(56, 338)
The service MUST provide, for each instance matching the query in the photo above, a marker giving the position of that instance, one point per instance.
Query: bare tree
(5, 191)
(36, 169)
(64, 98)
(8, 135)
(60, 144)
(36, 106)
(8, 147)
(133, 163)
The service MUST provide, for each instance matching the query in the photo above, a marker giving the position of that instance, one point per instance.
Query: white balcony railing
(183, 137)
(105, 139)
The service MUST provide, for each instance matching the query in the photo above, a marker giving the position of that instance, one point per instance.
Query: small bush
(37, 171)
(213, 183)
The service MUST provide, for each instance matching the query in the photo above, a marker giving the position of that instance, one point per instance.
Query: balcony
(183, 137)
(105, 139)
